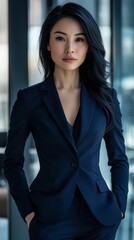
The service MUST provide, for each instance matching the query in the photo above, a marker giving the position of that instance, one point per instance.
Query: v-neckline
(72, 126)
(63, 108)
(52, 102)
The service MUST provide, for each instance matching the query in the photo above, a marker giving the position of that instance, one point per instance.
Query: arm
(14, 158)
(117, 158)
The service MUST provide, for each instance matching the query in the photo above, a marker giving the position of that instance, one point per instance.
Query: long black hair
(95, 69)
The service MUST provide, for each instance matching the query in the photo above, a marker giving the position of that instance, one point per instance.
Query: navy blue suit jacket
(65, 164)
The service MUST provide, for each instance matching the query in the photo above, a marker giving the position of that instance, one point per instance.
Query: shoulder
(116, 101)
(31, 90)
(30, 97)
(112, 93)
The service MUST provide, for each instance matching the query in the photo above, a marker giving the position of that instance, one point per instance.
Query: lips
(69, 59)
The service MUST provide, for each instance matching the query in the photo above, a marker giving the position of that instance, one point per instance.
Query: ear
(48, 48)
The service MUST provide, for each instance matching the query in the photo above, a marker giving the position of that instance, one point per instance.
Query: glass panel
(37, 10)
(104, 23)
(126, 88)
(3, 67)
(3, 113)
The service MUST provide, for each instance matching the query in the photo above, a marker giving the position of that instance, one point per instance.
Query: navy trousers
(77, 224)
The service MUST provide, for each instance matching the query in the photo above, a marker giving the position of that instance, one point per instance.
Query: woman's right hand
(29, 218)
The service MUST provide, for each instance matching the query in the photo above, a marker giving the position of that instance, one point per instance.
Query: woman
(69, 114)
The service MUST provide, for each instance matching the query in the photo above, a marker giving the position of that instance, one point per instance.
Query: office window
(3, 66)
(3, 113)
(104, 24)
(125, 87)
(37, 11)
(36, 16)
(127, 90)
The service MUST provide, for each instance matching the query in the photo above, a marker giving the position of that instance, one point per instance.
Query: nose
(69, 51)
(69, 48)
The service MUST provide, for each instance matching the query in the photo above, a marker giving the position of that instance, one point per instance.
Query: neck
(67, 79)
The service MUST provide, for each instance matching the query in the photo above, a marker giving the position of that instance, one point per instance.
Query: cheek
(85, 50)
(55, 50)
(83, 53)
(82, 49)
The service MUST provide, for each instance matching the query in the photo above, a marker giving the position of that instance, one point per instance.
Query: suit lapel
(87, 109)
(52, 102)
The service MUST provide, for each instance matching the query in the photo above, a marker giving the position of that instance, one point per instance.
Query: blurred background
(20, 23)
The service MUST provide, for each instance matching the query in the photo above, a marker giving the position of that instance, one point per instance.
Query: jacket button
(74, 164)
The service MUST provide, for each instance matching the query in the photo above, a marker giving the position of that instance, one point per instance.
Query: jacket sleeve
(14, 155)
(117, 158)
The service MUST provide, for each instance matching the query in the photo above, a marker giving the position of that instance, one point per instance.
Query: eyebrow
(77, 34)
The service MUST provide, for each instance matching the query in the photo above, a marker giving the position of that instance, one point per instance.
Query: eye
(59, 38)
(80, 39)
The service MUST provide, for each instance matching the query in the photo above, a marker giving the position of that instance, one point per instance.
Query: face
(68, 44)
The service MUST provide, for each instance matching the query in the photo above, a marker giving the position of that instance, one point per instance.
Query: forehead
(68, 25)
